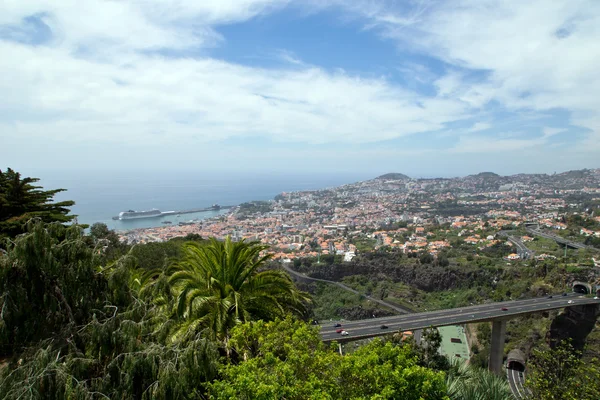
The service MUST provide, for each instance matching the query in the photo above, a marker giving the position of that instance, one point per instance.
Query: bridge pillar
(417, 333)
(497, 346)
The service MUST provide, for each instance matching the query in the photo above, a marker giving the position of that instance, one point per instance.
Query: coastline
(159, 233)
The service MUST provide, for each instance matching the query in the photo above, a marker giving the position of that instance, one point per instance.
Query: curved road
(516, 381)
(395, 307)
(522, 250)
(560, 240)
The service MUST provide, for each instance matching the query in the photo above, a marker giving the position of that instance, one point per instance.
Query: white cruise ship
(139, 214)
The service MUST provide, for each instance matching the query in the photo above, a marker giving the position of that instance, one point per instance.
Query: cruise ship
(139, 214)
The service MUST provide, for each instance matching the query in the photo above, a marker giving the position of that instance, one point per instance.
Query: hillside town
(411, 215)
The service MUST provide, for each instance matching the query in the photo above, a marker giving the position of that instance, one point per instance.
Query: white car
(595, 297)
(570, 302)
(344, 333)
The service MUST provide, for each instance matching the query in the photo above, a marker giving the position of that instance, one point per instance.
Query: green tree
(21, 200)
(221, 284)
(114, 358)
(427, 353)
(76, 331)
(443, 261)
(560, 374)
(48, 283)
(287, 359)
(106, 242)
(426, 258)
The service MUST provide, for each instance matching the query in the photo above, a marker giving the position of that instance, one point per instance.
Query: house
(513, 257)
(586, 232)
(472, 240)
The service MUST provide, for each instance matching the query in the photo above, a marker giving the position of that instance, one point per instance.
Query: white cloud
(101, 80)
(479, 126)
(54, 93)
(534, 55)
(135, 24)
(289, 57)
(92, 82)
(549, 132)
(480, 145)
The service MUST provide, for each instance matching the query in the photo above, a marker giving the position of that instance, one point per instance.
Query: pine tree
(22, 200)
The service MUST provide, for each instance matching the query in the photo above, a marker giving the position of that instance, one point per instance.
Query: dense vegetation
(577, 378)
(120, 329)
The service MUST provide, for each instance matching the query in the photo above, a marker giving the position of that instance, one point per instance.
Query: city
(412, 215)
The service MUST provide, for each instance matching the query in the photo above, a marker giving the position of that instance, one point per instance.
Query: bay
(101, 195)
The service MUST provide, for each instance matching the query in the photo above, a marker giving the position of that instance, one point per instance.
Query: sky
(422, 87)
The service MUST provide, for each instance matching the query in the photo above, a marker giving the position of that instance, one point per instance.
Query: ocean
(99, 196)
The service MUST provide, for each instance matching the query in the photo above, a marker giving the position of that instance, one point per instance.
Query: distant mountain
(485, 175)
(394, 176)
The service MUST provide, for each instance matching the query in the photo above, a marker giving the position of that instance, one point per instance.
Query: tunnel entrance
(516, 365)
(516, 360)
(579, 287)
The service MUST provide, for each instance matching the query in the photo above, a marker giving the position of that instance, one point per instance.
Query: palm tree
(223, 284)
(466, 382)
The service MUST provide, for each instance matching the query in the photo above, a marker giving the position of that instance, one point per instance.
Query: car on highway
(504, 309)
(339, 331)
(337, 325)
(564, 294)
(550, 297)
(383, 327)
(344, 333)
(570, 302)
(595, 297)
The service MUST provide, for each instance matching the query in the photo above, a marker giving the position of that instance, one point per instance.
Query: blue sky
(424, 87)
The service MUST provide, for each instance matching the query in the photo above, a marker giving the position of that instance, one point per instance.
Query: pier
(196, 210)
(193, 210)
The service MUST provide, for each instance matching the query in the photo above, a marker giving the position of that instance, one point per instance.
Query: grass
(543, 245)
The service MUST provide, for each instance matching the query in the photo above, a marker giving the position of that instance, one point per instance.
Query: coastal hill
(395, 176)
(485, 175)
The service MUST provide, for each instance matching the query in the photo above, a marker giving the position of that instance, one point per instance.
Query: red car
(339, 331)
(504, 309)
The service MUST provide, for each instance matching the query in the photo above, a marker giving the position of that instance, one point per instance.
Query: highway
(522, 250)
(558, 239)
(486, 312)
(516, 381)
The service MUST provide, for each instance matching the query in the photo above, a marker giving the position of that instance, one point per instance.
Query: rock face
(426, 277)
(357, 313)
(574, 323)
